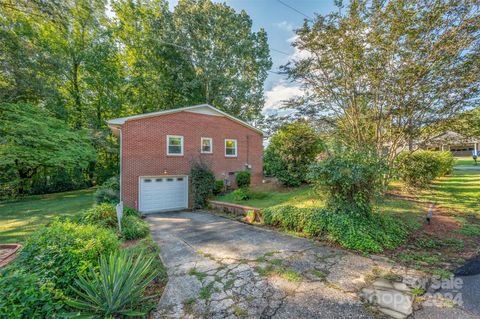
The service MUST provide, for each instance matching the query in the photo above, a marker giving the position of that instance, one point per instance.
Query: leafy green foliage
(420, 168)
(117, 288)
(203, 183)
(350, 181)
(219, 187)
(243, 179)
(291, 150)
(134, 228)
(62, 251)
(24, 295)
(241, 194)
(371, 233)
(108, 192)
(378, 72)
(105, 215)
(32, 142)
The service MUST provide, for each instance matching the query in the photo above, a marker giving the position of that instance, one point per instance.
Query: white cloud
(285, 25)
(280, 92)
(297, 53)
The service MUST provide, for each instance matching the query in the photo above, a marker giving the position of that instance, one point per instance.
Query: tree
(291, 150)
(159, 73)
(381, 71)
(230, 61)
(32, 140)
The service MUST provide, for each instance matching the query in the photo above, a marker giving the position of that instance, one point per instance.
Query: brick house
(157, 149)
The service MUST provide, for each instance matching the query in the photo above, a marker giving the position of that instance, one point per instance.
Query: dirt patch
(130, 243)
(441, 226)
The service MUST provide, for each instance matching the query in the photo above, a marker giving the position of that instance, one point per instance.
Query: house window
(174, 145)
(206, 145)
(230, 148)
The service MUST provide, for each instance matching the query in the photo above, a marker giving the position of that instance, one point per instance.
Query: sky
(279, 18)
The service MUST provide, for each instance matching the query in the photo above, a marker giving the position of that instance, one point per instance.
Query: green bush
(203, 183)
(219, 187)
(368, 234)
(23, 295)
(64, 250)
(117, 288)
(108, 192)
(134, 228)
(243, 179)
(291, 150)
(420, 168)
(350, 180)
(105, 215)
(241, 194)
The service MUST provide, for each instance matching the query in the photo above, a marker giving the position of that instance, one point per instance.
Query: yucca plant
(116, 288)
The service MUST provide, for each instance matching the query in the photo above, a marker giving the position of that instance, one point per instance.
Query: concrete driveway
(219, 268)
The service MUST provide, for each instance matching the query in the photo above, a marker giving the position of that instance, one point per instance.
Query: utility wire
(294, 9)
(282, 52)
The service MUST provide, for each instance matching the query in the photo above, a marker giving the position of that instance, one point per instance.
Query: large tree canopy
(378, 72)
(31, 140)
(230, 61)
(87, 61)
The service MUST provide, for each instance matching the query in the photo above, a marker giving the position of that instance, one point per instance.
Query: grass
(465, 161)
(19, 219)
(301, 197)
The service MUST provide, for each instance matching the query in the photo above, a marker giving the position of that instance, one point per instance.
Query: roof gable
(205, 109)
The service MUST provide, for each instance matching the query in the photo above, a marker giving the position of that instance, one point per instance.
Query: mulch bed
(8, 253)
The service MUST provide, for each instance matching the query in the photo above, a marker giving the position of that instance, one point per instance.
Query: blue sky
(279, 21)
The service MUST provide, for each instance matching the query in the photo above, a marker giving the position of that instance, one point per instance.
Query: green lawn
(300, 197)
(460, 191)
(465, 161)
(19, 219)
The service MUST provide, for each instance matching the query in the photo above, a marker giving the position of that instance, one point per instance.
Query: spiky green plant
(117, 288)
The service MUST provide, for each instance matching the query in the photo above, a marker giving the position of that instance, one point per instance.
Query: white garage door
(163, 193)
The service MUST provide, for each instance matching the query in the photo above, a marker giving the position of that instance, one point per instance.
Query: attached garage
(163, 193)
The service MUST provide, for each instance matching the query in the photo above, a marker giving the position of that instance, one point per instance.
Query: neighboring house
(454, 142)
(157, 150)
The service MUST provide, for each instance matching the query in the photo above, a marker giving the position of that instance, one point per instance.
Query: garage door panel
(163, 193)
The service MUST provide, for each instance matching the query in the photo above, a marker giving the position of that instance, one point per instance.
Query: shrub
(105, 215)
(243, 179)
(368, 234)
(203, 184)
(291, 150)
(25, 296)
(241, 194)
(108, 192)
(117, 289)
(134, 228)
(350, 181)
(64, 250)
(420, 168)
(219, 187)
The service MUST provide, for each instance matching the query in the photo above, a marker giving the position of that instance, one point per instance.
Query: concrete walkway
(219, 268)
(467, 168)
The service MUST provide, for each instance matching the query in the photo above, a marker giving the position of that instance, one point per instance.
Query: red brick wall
(144, 148)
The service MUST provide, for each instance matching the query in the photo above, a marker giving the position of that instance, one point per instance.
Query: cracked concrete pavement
(219, 268)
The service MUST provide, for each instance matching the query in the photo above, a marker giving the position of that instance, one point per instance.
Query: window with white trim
(206, 145)
(230, 148)
(174, 145)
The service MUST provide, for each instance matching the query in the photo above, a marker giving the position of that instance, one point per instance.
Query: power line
(279, 51)
(294, 9)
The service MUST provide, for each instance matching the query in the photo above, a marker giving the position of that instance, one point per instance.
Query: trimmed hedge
(420, 168)
(372, 233)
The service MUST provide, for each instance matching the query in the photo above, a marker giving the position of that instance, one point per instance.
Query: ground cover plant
(43, 277)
